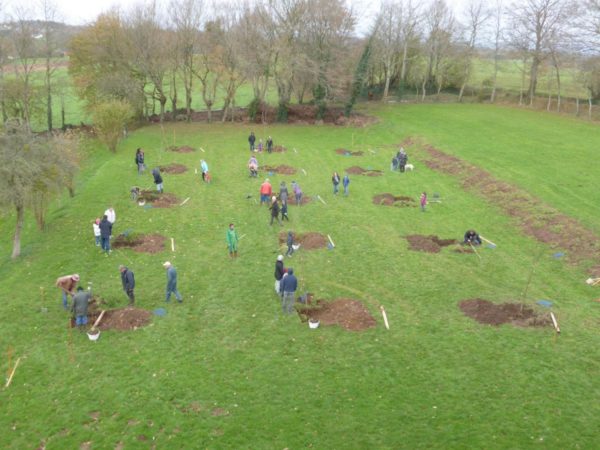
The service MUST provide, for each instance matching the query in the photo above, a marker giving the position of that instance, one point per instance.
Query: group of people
(286, 285)
(68, 286)
(400, 160)
(258, 147)
(335, 180)
(103, 229)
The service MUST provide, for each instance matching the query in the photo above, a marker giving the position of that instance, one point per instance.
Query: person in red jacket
(265, 192)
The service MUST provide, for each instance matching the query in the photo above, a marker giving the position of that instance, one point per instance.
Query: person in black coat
(275, 210)
(269, 144)
(402, 159)
(158, 180)
(279, 271)
(251, 140)
(139, 161)
(105, 233)
(471, 237)
(128, 281)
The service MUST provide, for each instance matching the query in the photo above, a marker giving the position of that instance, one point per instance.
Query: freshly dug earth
(283, 169)
(392, 200)
(182, 149)
(429, 244)
(536, 218)
(143, 243)
(486, 312)
(309, 241)
(158, 200)
(464, 249)
(355, 170)
(122, 318)
(279, 149)
(347, 313)
(173, 168)
(292, 200)
(343, 151)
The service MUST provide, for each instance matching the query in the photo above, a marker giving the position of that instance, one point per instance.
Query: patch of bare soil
(407, 142)
(283, 169)
(464, 249)
(347, 313)
(486, 312)
(182, 149)
(159, 200)
(309, 241)
(345, 152)
(292, 200)
(536, 219)
(429, 244)
(143, 243)
(173, 168)
(121, 318)
(279, 149)
(355, 170)
(387, 199)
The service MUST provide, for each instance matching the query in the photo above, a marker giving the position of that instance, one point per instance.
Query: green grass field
(227, 370)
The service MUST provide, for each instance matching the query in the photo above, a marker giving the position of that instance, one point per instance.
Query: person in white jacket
(96, 226)
(110, 214)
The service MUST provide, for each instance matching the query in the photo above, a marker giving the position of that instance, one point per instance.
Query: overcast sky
(79, 12)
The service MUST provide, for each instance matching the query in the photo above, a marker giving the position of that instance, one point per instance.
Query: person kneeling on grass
(289, 284)
(471, 237)
(80, 307)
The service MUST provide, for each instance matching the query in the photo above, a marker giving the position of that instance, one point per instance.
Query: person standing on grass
(288, 287)
(275, 211)
(335, 179)
(346, 183)
(111, 215)
(158, 181)
(128, 281)
(232, 241)
(260, 146)
(105, 233)
(251, 140)
(297, 193)
(290, 243)
(265, 191)
(284, 211)
(283, 192)
(423, 201)
(279, 271)
(139, 160)
(67, 285)
(253, 166)
(270, 145)
(96, 227)
(80, 307)
(402, 159)
(203, 169)
(171, 282)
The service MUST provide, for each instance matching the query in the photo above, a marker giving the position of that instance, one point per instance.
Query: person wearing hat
(67, 285)
(171, 282)
(265, 191)
(232, 241)
(128, 281)
(279, 271)
(80, 307)
(275, 210)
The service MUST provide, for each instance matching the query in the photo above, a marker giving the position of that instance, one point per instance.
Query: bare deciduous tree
(476, 14)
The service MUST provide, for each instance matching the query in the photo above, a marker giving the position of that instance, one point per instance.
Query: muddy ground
(486, 312)
(387, 199)
(282, 169)
(182, 149)
(429, 244)
(347, 313)
(159, 200)
(173, 168)
(121, 319)
(143, 243)
(536, 218)
(309, 241)
(343, 151)
(355, 170)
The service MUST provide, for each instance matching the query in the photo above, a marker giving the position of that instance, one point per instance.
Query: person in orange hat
(67, 285)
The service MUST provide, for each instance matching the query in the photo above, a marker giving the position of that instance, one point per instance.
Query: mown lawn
(227, 370)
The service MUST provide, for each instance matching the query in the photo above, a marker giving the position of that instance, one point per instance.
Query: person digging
(67, 285)
(81, 301)
(471, 238)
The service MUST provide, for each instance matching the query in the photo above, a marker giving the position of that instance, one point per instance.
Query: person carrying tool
(471, 237)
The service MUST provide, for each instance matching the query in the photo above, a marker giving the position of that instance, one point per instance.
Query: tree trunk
(49, 107)
(577, 107)
(174, 98)
(533, 78)
(404, 62)
(163, 102)
(423, 89)
(590, 108)
(62, 112)
(17, 237)
(549, 102)
(557, 88)
(386, 88)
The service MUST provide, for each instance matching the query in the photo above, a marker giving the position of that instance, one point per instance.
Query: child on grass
(423, 201)
(96, 226)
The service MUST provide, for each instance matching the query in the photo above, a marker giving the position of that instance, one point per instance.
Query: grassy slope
(435, 380)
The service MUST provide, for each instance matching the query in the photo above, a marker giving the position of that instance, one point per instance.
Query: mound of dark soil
(279, 149)
(309, 241)
(355, 170)
(464, 249)
(173, 168)
(122, 318)
(284, 170)
(429, 244)
(392, 200)
(347, 313)
(159, 200)
(292, 200)
(343, 151)
(182, 149)
(143, 243)
(486, 312)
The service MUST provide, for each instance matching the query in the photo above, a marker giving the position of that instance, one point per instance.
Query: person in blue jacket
(171, 282)
(288, 286)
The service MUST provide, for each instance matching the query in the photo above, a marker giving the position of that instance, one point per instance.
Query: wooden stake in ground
(172, 244)
(475, 250)
(385, 319)
(98, 320)
(12, 374)
(184, 202)
(555, 322)
(202, 150)
(486, 240)
(9, 352)
(304, 171)
(330, 240)
(323, 201)
(241, 237)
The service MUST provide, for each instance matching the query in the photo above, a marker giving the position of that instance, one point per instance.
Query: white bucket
(94, 337)
(313, 323)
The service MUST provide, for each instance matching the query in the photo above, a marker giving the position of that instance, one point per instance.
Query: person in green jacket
(80, 307)
(232, 241)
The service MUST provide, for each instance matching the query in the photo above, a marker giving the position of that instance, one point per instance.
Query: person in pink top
(423, 201)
